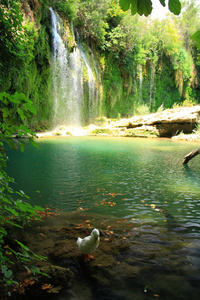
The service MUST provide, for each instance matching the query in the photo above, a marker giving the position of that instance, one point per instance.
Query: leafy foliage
(67, 7)
(144, 7)
(196, 37)
(24, 49)
(15, 213)
(139, 48)
(92, 18)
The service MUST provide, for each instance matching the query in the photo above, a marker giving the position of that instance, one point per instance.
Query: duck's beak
(95, 240)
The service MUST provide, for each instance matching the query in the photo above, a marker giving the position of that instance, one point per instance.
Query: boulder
(168, 122)
(58, 275)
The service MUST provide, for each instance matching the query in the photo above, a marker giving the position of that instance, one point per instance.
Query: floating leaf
(79, 227)
(55, 290)
(123, 220)
(46, 286)
(28, 282)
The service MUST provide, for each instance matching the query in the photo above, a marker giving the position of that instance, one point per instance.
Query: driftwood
(191, 155)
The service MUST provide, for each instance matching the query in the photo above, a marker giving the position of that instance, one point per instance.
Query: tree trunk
(190, 155)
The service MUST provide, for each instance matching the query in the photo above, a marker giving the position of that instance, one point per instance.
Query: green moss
(101, 131)
(57, 133)
(145, 132)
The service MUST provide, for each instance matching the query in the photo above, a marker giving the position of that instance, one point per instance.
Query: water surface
(124, 177)
(138, 181)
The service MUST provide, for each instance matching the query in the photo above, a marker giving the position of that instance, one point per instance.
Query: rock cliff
(168, 122)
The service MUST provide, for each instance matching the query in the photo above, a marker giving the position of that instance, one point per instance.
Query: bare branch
(191, 155)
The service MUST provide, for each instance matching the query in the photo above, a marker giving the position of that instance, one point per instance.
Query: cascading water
(72, 105)
(67, 85)
(141, 80)
(91, 85)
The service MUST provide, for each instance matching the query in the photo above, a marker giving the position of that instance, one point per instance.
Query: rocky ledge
(167, 123)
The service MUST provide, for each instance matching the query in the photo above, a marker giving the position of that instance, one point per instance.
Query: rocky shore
(134, 260)
(179, 123)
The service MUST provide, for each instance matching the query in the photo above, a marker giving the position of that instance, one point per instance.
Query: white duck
(89, 244)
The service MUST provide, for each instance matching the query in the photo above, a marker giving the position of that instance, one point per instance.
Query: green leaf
(22, 146)
(125, 4)
(6, 112)
(21, 113)
(2, 230)
(36, 270)
(39, 208)
(196, 37)
(5, 200)
(175, 6)
(162, 2)
(34, 144)
(22, 245)
(13, 224)
(134, 8)
(8, 274)
(11, 210)
(144, 7)
(29, 107)
(39, 257)
(25, 207)
(140, 6)
(24, 128)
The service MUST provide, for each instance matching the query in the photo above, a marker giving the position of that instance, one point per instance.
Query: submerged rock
(57, 275)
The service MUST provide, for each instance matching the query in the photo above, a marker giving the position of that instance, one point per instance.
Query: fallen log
(191, 155)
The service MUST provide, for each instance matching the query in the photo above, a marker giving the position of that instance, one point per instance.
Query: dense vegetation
(144, 64)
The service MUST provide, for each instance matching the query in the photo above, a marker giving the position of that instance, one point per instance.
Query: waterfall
(92, 109)
(141, 80)
(151, 84)
(72, 104)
